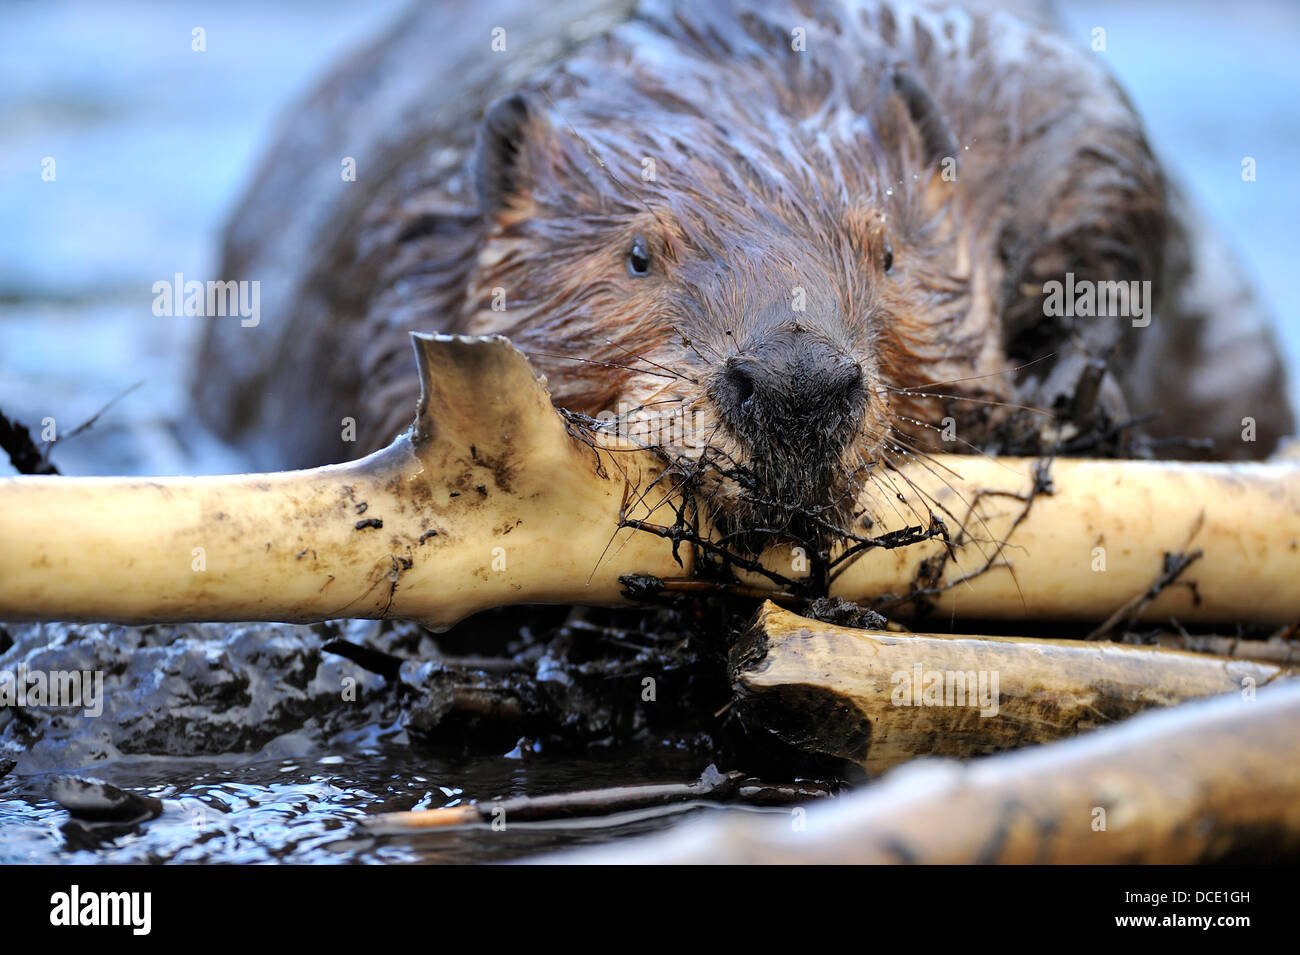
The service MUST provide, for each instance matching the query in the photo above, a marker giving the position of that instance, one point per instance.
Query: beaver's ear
(511, 127)
(937, 139)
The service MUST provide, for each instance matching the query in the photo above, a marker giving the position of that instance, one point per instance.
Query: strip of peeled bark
(712, 785)
(1210, 781)
(1281, 650)
(880, 698)
(491, 499)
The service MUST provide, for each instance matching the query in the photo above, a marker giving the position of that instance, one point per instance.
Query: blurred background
(153, 142)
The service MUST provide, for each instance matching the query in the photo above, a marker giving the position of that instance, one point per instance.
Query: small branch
(24, 454)
(712, 785)
(1174, 565)
(1280, 650)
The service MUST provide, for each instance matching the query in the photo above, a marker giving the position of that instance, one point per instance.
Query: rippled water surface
(310, 810)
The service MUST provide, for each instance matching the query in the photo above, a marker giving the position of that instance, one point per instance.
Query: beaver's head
(787, 272)
(756, 310)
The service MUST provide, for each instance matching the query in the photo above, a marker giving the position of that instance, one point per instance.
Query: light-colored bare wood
(880, 698)
(493, 499)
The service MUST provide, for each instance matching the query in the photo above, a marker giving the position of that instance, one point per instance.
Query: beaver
(825, 233)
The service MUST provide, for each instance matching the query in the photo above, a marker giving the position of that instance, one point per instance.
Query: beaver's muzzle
(792, 398)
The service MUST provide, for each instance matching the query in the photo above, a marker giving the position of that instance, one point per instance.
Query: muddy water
(264, 743)
(310, 809)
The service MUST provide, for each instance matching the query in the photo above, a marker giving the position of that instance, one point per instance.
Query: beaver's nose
(792, 392)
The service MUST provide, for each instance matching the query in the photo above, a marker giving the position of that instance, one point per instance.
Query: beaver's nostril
(844, 382)
(742, 384)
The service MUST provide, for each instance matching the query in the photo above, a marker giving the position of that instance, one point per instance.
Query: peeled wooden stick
(1205, 782)
(491, 500)
(880, 698)
(1084, 540)
(487, 501)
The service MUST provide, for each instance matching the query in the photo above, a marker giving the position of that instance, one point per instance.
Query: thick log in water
(493, 499)
(1210, 781)
(880, 698)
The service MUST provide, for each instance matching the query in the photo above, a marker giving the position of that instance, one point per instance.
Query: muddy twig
(27, 456)
(24, 454)
(926, 584)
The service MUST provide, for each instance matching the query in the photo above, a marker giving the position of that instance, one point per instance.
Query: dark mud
(272, 742)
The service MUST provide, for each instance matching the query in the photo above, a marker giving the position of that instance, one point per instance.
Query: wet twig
(1174, 565)
(27, 456)
(712, 785)
(24, 454)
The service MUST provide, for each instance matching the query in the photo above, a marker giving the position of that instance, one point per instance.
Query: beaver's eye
(638, 258)
(887, 259)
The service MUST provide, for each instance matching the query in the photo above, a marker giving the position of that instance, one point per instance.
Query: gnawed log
(880, 698)
(493, 498)
(1209, 781)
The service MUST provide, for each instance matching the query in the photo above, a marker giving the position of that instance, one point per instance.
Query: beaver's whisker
(690, 343)
(625, 417)
(993, 374)
(989, 562)
(597, 361)
(628, 485)
(735, 342)
(949, 547)
(973, 399)
(972, 510)
(934, 427)
(641, 407)
(661, 389)
(924, 460)
(884, 478)
(688, 476)
(654, 364)
(900, 438)
(903, 441)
